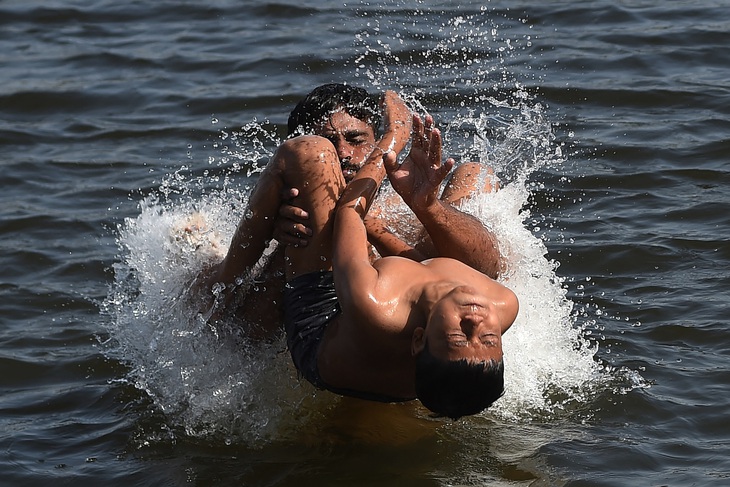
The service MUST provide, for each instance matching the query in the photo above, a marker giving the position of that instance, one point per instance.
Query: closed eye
(458, 339)
(488, 340)
(356, 137)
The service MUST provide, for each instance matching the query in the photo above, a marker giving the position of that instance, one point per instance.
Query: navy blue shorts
(310, 304)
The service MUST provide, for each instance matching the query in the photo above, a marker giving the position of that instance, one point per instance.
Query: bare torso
(368, 346)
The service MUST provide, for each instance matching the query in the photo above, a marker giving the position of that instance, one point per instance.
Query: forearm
(351, 264)
(397, 121)
(360, 192)
(350, 254)
(243, 253)
(350, 237)
(461, 236)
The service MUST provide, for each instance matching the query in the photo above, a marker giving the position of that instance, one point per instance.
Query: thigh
(311, 165)
(468, 179)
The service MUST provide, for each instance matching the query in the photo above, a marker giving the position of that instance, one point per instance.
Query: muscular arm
(460, 236)
(453, 233)
(251, 237)
(351, 261)
(254, 231)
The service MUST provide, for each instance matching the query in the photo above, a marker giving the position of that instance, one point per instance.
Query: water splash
(461, 49)
(211, 384)
(215, 385)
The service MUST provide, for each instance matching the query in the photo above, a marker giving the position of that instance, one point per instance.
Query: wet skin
(353, 139)
(464, 325)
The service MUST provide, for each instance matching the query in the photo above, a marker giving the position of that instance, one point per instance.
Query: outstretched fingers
(435, 147)
(446, 168)
(434, 154)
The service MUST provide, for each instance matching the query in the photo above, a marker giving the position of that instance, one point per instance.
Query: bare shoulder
(372, 320)
(501, 296)
(394, 263)
(396, 290)
(396, 275)
(447, 265)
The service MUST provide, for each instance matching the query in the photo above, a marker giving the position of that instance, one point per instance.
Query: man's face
(353, 139)
(464, 325)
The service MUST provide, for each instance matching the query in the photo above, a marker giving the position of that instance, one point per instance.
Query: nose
(471, 322)
(343, 151)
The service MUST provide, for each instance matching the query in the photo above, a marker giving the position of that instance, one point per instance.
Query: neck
(431, 294)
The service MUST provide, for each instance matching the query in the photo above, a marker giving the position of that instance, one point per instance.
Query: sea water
(132, 111)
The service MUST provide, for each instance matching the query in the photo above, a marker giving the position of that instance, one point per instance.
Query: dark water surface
(102, 102)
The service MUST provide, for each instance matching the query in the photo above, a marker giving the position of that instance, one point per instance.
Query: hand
(396, 122)
(290, 226)
(419, 178)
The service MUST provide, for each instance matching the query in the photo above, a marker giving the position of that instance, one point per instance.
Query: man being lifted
(389, 330)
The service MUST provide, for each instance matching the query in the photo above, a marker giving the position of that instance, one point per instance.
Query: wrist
(431, 211)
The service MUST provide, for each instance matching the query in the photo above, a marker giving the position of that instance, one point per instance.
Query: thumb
(390, 160)
(445, 168)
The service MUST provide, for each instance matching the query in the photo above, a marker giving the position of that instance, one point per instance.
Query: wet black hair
(324, 100)
(457, 388)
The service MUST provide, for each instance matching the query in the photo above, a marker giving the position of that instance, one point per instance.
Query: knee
(306, 157)
(306, 147)
(468, 169)
(478, 176)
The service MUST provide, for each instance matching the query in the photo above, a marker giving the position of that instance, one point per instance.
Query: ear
(418, 341)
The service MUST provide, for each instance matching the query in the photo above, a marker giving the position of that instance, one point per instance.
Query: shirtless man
(349, 117)
(391, 330)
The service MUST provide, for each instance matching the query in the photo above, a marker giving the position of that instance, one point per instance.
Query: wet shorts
(310, 304)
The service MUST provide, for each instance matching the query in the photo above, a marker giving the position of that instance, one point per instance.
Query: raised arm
(253, 233)
(212, 290)
(454, 233)
(397, 120)
(351, 262)
(354, 138)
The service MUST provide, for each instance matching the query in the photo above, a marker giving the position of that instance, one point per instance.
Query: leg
(312, 165)
(466, 181)
(309, 163)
